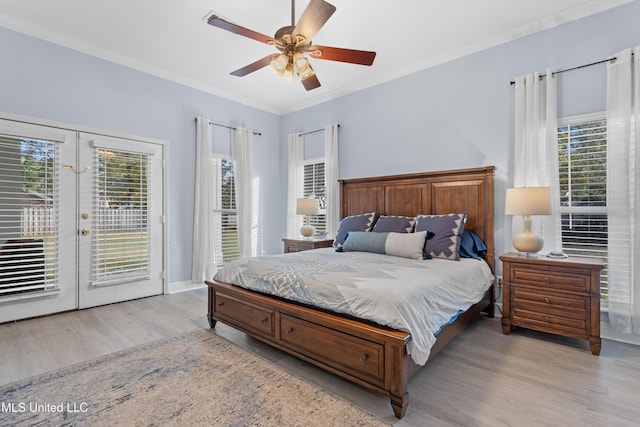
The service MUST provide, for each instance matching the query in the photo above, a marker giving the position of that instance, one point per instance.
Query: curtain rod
(229, 127)
(313, 131)
(575, 68)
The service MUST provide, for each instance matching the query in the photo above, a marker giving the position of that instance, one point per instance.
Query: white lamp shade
(307, 207)
(528, 201)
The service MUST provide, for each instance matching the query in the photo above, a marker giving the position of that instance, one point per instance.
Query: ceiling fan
(294, 44)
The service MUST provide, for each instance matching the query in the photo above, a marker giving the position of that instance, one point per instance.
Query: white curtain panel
(242, 155)
(331, 176)
(536, 151)
(295, 183)
(623, 198)
(203, 263)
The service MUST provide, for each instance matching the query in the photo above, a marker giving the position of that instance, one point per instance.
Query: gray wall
(460, 114)
(46, 81)
(456, 115)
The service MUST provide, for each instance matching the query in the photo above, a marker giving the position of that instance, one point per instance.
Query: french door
(81, 219)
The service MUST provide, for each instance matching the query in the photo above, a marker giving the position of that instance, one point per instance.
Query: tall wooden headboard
(442, 192)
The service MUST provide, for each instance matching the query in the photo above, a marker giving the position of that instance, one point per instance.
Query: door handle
(68, 166)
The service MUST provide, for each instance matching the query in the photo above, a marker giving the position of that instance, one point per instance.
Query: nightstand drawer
(550, 304)
(549, 322)
(572, 280)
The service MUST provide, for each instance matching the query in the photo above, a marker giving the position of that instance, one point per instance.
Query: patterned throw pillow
(396, 224)
(447, 231)
(362, 222)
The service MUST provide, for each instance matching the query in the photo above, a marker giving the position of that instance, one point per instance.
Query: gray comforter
(416, 296)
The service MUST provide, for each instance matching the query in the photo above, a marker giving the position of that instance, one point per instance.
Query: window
(582, 150)
(314, 188)
(121, 242)
(29, 189)
(225, 214)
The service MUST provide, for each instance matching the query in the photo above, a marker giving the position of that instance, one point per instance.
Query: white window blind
(582, 149)
(314, 187)
(28, 216)
(225, 214)
(120, 243)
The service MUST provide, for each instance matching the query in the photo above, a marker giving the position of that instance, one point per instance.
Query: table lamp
(307, 207)
(528, 201)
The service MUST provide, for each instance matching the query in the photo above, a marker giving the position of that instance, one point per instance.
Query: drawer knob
(263, 320)
(220, 304)
(547, 300)
(546, 279)
(363, 358)
(546, 318)
(288, 330)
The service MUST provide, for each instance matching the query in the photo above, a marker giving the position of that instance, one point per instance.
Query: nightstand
(556, 295)
(299, 245)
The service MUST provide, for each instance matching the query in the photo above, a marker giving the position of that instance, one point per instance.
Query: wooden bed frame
(367, 354)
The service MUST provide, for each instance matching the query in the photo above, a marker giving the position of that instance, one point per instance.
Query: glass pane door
(120, 233)
(37, 269)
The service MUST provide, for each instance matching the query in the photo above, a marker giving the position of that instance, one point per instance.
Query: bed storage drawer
(340, 350)
(249, 315)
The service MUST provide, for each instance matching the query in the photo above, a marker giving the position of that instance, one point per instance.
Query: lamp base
(528, 242)
(307, 231)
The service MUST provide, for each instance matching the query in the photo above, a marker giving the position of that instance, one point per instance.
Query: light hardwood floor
(483, 378)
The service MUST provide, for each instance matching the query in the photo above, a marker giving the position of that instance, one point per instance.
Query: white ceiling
(171, 39)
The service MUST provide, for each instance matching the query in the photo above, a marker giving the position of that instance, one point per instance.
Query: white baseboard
(187, 285)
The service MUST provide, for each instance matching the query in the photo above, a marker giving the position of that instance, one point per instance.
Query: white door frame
(71, 211)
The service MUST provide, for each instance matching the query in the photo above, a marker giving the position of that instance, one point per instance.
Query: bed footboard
(372, 356)
(366, 354)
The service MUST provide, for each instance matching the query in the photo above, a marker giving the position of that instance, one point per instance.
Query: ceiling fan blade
(362, 57)
(313, 18)
(311, 82)
(254, 66)
(216, 21)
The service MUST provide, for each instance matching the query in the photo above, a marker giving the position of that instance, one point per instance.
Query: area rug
(196, 378)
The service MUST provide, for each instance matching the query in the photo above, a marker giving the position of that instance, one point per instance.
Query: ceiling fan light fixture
(302, 66)
(280, 62)
(282, 65)
(294, 43)
(288, 73)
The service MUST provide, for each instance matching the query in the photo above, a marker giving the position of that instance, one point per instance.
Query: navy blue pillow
(472, 246)
(363, 222)
(395, 224)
